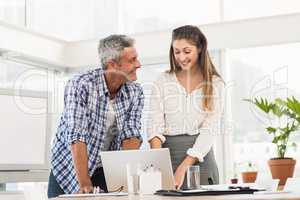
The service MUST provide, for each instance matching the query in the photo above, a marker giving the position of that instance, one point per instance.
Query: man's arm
(130, 137)
(80, 159)
(131, 143)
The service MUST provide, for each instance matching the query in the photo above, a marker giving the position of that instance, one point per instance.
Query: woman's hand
(179, 175)
(155, 143)
(181, 170)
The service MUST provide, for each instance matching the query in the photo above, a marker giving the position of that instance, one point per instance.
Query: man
(102, 111)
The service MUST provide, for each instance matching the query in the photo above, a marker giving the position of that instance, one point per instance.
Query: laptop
(114, 166)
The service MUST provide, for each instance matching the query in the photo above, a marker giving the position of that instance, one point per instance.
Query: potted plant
(234, 175)
(281, 167)
(250, 173)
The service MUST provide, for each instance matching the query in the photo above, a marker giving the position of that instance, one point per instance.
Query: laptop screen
(114, 165)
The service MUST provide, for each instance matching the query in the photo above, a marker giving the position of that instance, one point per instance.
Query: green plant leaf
(279, 101)
(262, 104)
(271, 130)
(294, 105)
(277, 110)
(275, 140)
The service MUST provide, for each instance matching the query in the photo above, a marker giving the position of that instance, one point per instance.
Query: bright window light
(145, 16)
(237, 9)
(269, 71)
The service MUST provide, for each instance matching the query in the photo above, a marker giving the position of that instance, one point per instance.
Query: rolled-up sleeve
(210, 126)
(132, 124)
(156, 119)
(76, 112)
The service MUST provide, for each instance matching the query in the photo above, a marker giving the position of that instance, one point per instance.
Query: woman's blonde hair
(208, 70)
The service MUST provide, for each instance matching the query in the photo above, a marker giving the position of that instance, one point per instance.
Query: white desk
(221, 197)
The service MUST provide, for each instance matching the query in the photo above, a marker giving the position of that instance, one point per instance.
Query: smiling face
(129, 63)
(186, 54)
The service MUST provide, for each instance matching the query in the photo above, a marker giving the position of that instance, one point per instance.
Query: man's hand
(80, 160)
(85, 186)
(131, 143)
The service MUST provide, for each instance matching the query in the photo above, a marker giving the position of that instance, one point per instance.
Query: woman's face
(186, 54)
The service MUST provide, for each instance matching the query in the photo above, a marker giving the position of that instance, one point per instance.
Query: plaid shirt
(86, 102)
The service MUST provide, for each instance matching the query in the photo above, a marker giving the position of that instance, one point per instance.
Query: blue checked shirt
(86, 102)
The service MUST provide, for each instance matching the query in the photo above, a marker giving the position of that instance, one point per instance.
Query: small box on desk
(150, 181)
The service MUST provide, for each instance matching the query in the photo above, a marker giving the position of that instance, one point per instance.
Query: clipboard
(203, 192)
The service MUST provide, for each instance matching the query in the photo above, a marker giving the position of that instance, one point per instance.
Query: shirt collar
(102, 83)
(124, 90)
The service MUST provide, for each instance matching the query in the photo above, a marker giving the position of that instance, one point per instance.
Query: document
(93, 195)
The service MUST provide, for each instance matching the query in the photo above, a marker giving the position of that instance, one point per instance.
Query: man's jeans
(55, 190)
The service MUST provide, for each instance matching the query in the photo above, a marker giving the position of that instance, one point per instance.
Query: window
(146, 16)
(22, 76)
(96, 19)
(13, 11)
(15, 75)
(269, 71)
(236, 9)
(66, 19)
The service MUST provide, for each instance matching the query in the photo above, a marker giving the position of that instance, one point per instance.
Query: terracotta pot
(249, 177)
(234, 181)
(282, 168)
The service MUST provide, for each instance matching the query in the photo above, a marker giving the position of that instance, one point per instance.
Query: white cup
(132, 179)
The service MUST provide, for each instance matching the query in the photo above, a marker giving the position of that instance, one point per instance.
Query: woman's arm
(181, 170)
(204, 142)
(156, 120)
(210, 127)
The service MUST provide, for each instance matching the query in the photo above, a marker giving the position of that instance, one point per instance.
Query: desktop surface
(288, 196)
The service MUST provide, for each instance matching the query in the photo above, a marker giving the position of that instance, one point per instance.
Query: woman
(185, 106)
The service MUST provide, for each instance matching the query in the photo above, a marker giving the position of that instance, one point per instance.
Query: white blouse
(173, 111)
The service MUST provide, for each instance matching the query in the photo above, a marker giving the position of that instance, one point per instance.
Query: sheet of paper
(94, 195)
(193, 191)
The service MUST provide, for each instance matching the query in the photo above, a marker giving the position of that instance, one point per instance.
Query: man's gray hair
(111, 47)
